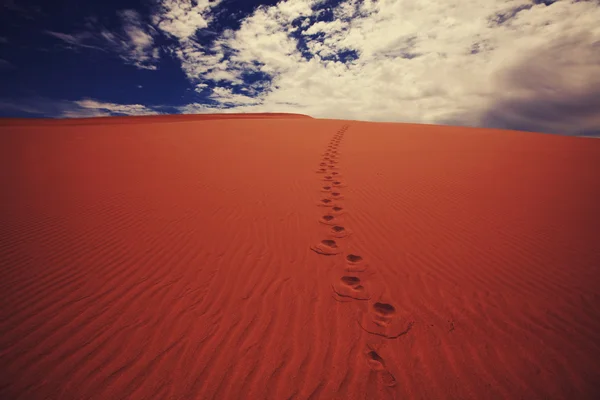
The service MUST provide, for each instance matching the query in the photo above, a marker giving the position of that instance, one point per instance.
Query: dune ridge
(199, 260)
(136, 119)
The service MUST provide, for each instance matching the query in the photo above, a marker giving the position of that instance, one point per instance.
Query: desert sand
(285, 257)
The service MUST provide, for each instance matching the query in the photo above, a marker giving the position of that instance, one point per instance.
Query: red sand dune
(175, 261)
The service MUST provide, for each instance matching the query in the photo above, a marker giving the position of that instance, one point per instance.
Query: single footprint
(336, 194)
(327, 219)
(339, 231)
(326, 247)
(335, 173)
(323, 164)
(326, 188)
(326, 203)
(353, 258)
(349, 287)
(353, 282)
(328, 177)
(337, 209)
(377, 364)
(382, 319)
(321, 170)
(354, 263)
(337, 184)
(383, 313)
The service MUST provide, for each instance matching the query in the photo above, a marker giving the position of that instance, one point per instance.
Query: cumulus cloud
(470, 62)
(182, 18)
(133, 43)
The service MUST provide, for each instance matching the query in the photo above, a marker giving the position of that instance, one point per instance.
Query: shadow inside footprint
(381, 319)
(375, 361)
(384, 309)
(349, 287)
(339, 232)
(353, 258)
(326, 247)
(377, 364)
(327, 219)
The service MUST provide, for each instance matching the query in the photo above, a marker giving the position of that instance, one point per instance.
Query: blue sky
(514, 64)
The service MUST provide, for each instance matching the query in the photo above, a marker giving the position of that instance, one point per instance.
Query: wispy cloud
(6, 64)
(113, 109)
(44, 107)
(133, 43)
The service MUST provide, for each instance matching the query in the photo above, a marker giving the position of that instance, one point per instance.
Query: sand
(280, 257)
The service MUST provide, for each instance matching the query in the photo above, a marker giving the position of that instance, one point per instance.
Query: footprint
(339, 232)
(349, 287)
(328, 177)
(328, 203)
(335, 173)
(337, 209)
(321, 171)
(355, 263)
(328, 219)
(323, 164)
(375, 361)
(382, 319)
(326, 247)
(338, 184)
(353, 258)
(384, 310)
(326, 188)
(377, 364)
(335, 196)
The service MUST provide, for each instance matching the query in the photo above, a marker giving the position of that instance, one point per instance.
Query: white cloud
(51, 108)
(182, 18)
(425, 61)
(89, 105)
(134, 44)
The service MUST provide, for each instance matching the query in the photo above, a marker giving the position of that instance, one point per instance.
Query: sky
(529, 65)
